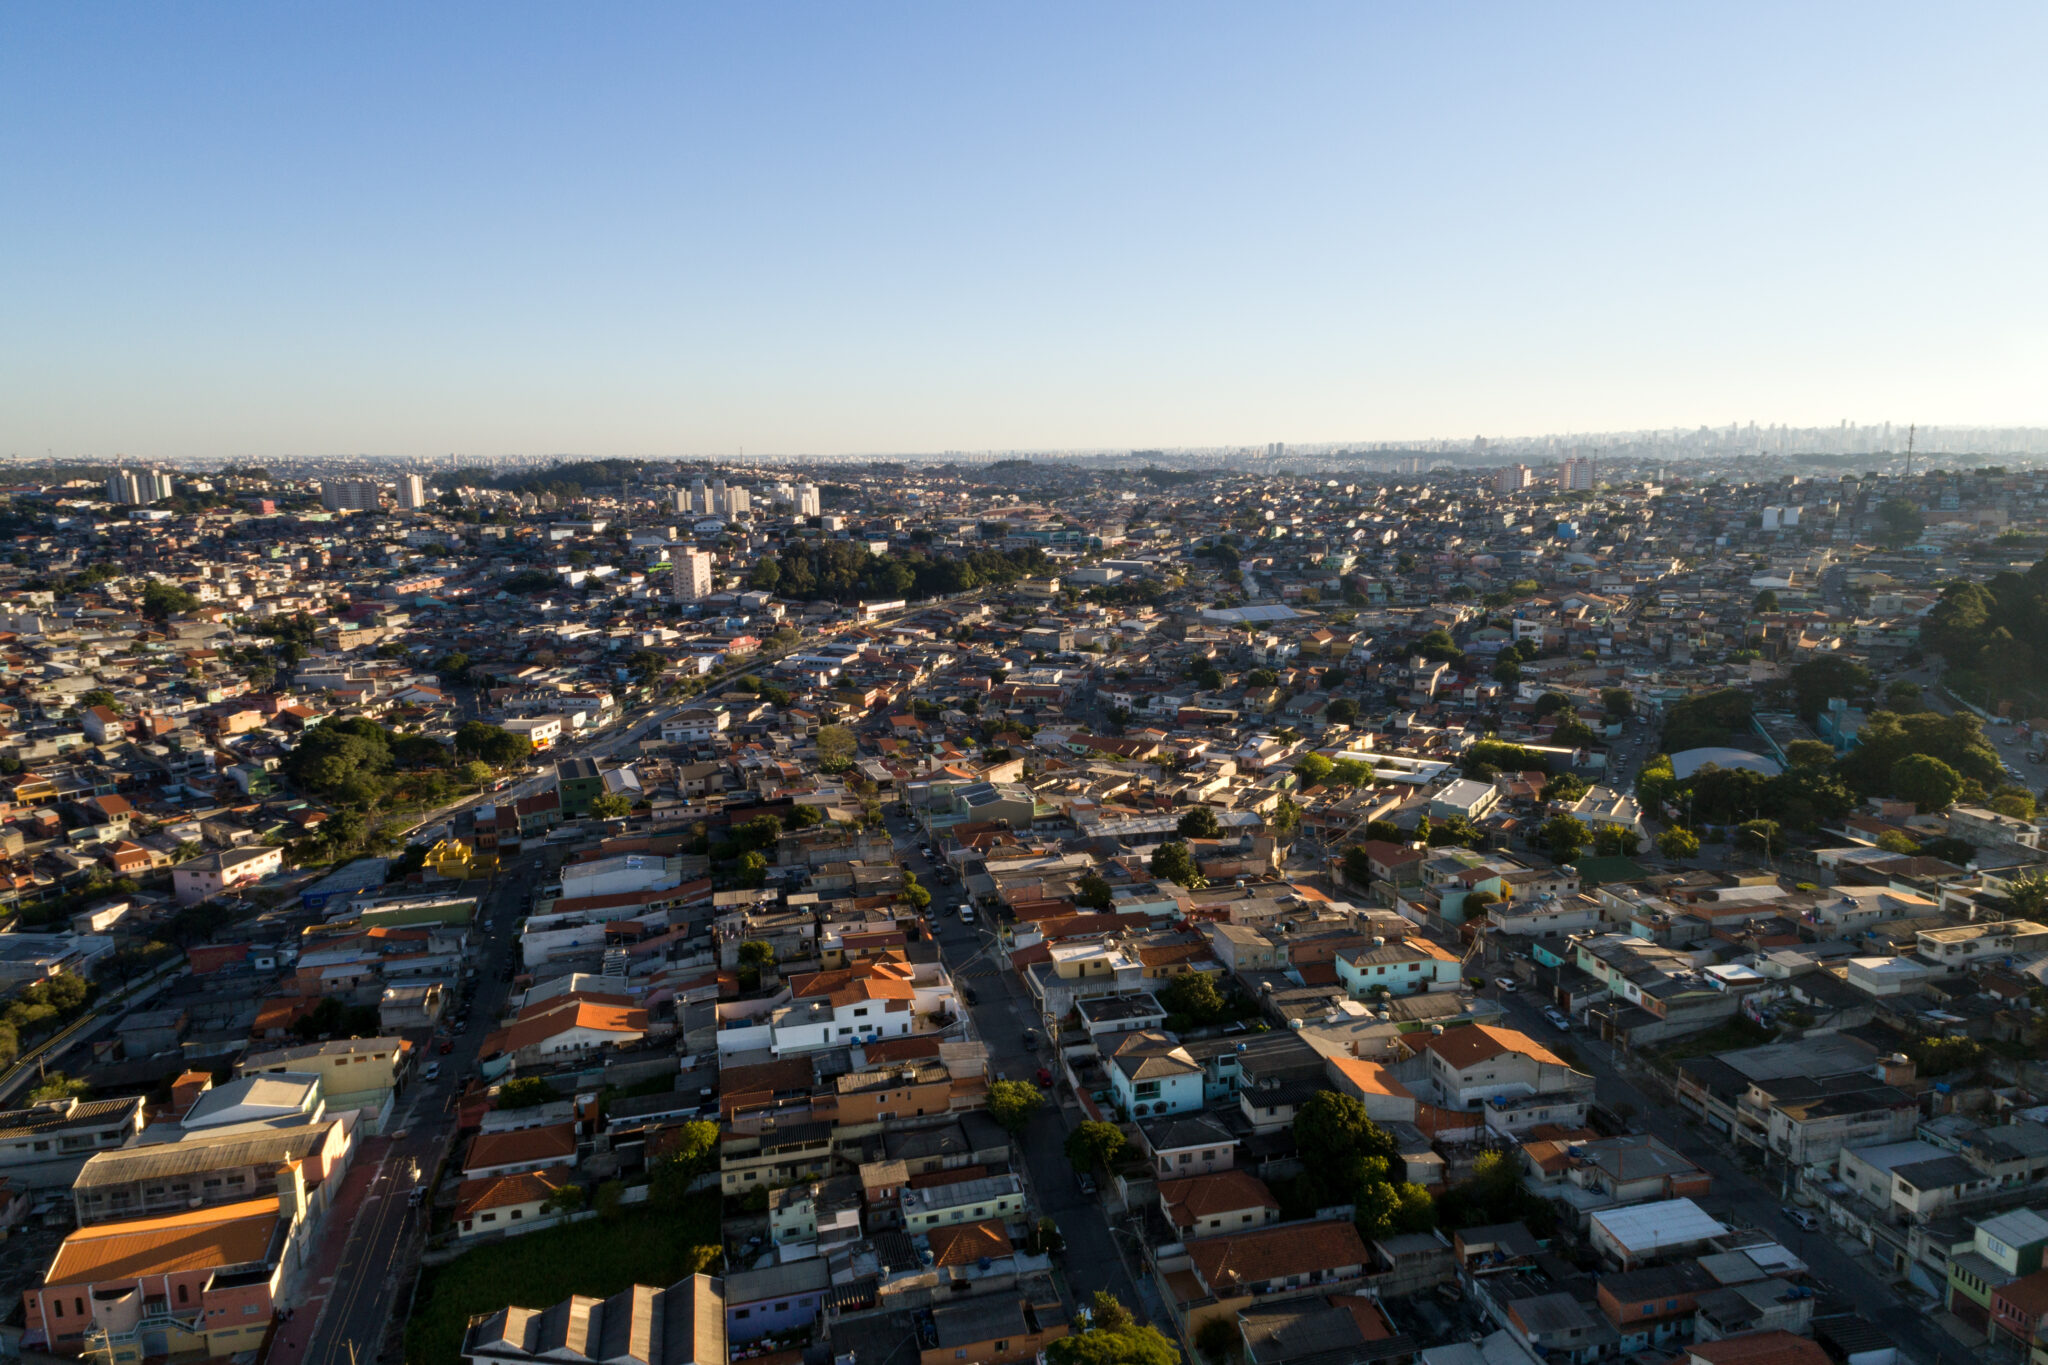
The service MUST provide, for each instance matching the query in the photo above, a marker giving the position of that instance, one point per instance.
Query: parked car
(433, 1071)
(1086, 1182)
(1558, 1019)
(1044, 1078)
(1504, 984)
(447, 1046)
(1802, 1218)
(967, 994)
(1031, 1039)
(966, 914)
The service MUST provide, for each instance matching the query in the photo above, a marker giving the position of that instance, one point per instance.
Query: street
(378, 1230)
(1741, 1199)
(1001, 1012)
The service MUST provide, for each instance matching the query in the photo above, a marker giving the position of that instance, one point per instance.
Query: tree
(914, 893)
(1892, 841)
(475, 772)
(1810, 753)
(1173, 862)
(1285, 819)
(757, 953)
(1385, 832)
(1508, 671)
(1767, 600)
(565, 1199)
(1901, 520)
(1351, 772)
(691, 1151)
(1552, 703)
(162, 600)
(1198, 822)
(1195, 995)
(1619, 702)
(1358, 865)
(453, 666)
(1678, 842)
(1761, 836)
(609, 1199)
(1614, 841)
(1107, 1313)
(1343, 711)
(1136, 1346)
(1092, 891)
(836, 748)
(1218, 1340)
(57, 1086)
(2027, 893)
(1562, 836)
(1565, 788)
(1012, 1103)
(1818, 681)
(1926, 781)
(1902, 695)
(525, 1092)
(1571, 731)
(611, 806)
(2016, 802)
(1313, 769)
(1094, 1145)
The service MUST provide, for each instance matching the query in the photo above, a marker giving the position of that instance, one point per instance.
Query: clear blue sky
(415, 229)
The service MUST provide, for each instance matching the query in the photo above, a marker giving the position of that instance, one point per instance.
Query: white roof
(1245, 616)
(1642, 1229)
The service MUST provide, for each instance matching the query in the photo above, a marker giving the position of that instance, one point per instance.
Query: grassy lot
(596, 1256)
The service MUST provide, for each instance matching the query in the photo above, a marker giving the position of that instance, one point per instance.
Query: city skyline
(816, 231)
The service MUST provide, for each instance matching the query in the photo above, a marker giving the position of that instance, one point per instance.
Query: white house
(1153, 1074)
(204, 878)
(1405, 966)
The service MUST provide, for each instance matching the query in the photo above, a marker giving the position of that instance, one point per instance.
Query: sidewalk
(290, 1341)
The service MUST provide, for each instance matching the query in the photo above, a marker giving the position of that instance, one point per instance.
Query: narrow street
(1742, 1199)
(1001, 1013)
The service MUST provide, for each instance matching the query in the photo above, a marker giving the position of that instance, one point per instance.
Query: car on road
(1505, 985)
(1044, 1079)
(1558, 1019)
(447, 1046)
(433, 1071)
(967, 994)
(1031, 1040)
(966, 915)
(1086, 1182)
(1801, 1218)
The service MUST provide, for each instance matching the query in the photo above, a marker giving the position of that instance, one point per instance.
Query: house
(775, 1298)
(2019, 1310)
(563, 1027)
(219, 873)
(355, 1073)
(2003, 1247)
(965, 1201)
(1759, 1348)
(1151, 1073)
(523, 1149)
(1400, 966)
(1515, 1080)
(506, 1203)
(1194, 1145)
(46, 1145)
(1000, 1329)
(1644, 1232)
(1277, 1257)
(1218, 1202)
(208, 1167)
(683, 1324)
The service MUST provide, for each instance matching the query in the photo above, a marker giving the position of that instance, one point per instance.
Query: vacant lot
(597, 1256)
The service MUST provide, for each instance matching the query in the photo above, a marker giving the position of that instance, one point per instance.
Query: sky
(674, 229)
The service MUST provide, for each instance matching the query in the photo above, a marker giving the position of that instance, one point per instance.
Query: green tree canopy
(1173, 862)
(1926, 781)
(1193, 994)
(1198, 822)
(1095, 1145)
(1012, 1103)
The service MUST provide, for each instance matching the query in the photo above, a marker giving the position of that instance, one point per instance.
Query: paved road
(1001, 1012)
(383, 1233)
(1742, 1199)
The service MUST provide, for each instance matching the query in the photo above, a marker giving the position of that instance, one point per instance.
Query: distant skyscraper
(807, 501)
(412, 492)
(1575, 475)
(349, 495)
(679, 500)
(1513, 479)
(693, 575)
(700, 499)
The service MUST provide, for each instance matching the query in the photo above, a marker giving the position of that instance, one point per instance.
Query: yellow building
(455, 859)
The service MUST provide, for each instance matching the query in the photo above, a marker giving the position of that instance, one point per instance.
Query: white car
(1558, 1020)
(967, 914)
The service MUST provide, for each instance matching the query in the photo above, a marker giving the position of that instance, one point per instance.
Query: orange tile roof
(968, 1242)
(521, 1145)
(504, 1191)
(198, 1239)
(1461, 1047)
(1241, 1259)
(1761, 1348)
(1370, 1077)
(1197, 1197)
(538, 1023)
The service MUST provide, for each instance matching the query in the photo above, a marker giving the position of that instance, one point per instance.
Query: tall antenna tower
(1911, 431)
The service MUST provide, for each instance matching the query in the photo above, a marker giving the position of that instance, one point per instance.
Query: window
(782, 1307)
(184, 1293)
(1186, 1157)
(519, 1213)
(490, 1218)
(59, 1306)
(960, 1354)
(742, 1312)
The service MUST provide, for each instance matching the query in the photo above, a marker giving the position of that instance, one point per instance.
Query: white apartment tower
(1575, 475)
(807, 500)
(1512, 479)
(693, 575)
(412, 492)
(138, 488)
(700, 499)
(349, 495)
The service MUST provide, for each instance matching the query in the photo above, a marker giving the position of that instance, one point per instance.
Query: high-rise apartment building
(1575, 475)
(693, 575)
(807, 503)
(700, 499)
(412, 492)
(1513, 479)
(349, 495)
(138, 488)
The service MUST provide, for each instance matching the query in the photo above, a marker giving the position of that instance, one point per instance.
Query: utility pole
(1912, 430)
